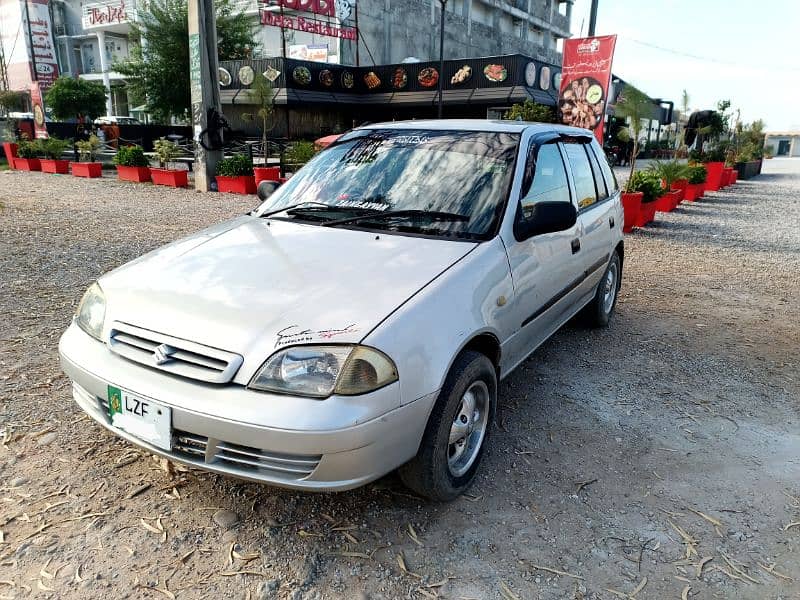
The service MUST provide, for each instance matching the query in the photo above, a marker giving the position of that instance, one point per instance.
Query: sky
(736, 50)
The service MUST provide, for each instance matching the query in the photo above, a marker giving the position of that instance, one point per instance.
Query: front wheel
(455, 437)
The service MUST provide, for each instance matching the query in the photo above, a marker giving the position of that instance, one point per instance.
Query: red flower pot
(631, 205)
(664, 203)
(647, 214)
(170, 177)
(237, 185)
(135, 174)
(267, 174)
(86, 169)
(680, 185)
(28, 164)
(10, 149)
(731, 175)
(50, 165)
(714, 178)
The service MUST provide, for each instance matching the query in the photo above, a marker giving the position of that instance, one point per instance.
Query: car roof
(480, 125)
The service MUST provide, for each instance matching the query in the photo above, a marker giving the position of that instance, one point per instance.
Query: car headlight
(319, 371)
(91, 311)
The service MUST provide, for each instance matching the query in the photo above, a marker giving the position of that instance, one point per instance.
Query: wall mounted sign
(314, 26)
(104, 14)
(530, 74)
(247, 75)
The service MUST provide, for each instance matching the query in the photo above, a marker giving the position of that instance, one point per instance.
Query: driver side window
(549, 180)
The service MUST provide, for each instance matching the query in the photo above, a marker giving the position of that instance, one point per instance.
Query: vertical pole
(101, 46)
(34, 72)
(283, 36)
(204, 84)
(593, 17)
(358, 38)
(441, 55)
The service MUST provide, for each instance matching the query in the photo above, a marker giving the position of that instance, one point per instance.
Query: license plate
(141, 417)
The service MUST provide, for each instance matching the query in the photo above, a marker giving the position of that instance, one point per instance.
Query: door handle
(611, 222)
(576, 246)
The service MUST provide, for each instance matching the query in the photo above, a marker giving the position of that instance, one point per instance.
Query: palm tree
(635, 105)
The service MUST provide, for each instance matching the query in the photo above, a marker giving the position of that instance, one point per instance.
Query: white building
(784, 143)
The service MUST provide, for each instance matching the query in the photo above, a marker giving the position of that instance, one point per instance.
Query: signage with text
(585, 75)
(105, 14)
(308, 25)
(43, 50)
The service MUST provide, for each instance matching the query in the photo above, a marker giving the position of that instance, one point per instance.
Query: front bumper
(311, 457)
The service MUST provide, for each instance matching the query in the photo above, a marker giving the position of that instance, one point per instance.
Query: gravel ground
(656, 459)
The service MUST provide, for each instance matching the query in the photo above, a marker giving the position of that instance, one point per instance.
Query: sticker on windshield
(409, 140)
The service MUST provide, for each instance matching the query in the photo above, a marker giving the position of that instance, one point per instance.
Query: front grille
(195, 447)
(184, 358)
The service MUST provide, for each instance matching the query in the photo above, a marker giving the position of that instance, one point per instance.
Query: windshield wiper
(298, 205)
(433, 215)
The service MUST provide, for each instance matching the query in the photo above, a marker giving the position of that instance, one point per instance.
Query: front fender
(425, 334)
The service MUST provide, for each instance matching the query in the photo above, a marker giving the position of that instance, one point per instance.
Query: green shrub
(531, 111)
(300, 153)
(669, 171)
(238, 165)
(647, 183)
(87, 149)
(30, 149)
(167, 151)
(55, 147)
(131, 156)
(769, 151)
(697, 174)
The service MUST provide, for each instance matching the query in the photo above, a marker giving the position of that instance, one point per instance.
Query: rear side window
(602, 192)
(608, 173)
(582, 174)
(549, 180)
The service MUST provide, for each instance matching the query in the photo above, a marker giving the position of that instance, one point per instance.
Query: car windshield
(448, 183)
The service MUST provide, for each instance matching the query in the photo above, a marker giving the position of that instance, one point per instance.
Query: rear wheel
(598, 312)
(455, 437)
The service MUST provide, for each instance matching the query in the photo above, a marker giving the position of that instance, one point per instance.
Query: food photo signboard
(585, 77)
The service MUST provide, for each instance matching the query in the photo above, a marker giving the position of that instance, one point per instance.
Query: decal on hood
(294, 335)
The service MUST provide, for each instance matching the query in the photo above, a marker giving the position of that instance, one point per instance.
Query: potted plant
(697, 180)
(769, 151)
(650, 187)
(54, 149)
(132, 164)
(262, 96)
(11, 101)
(167, 152)
(28, 156)
(668, 172)
(235, 175)
(87, 151)
(635, 106)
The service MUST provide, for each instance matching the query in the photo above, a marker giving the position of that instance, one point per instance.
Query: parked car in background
(360, 319)
(117, 121)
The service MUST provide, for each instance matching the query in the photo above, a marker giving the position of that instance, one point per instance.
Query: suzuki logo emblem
(163, 354)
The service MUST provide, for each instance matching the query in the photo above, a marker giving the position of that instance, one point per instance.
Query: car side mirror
(266, 189)
(546, 217)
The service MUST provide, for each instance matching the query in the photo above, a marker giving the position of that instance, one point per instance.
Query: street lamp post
(443, 3)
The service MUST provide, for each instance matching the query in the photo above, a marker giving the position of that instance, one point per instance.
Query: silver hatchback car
(360, 318)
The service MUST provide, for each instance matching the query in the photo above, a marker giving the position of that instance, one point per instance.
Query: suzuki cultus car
(360, 318)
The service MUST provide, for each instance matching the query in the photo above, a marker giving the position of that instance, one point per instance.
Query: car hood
(252, 285)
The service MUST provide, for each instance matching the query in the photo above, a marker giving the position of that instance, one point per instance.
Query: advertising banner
(585, 78)
(39, 126)
(44, 50)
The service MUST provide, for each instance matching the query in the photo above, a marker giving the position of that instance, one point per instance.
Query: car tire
(599, 311)
(445, 464)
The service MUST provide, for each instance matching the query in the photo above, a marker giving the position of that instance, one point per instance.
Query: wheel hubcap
(609, 288)
(468, 429)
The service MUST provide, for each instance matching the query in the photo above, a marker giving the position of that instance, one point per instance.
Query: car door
(543, 267)
(596, 211)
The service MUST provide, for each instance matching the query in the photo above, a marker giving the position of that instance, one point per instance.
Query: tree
(12, 101)
(157, 71)
(261, 94)
(635, 105)
(531, 111)
(76, 98)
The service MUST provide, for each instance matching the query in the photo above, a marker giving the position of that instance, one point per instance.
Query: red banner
(39, 126)
(585, 78)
